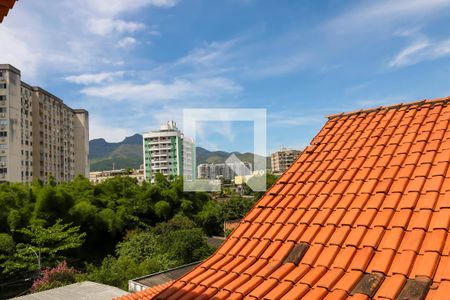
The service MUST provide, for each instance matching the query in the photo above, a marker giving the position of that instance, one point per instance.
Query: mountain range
(128, 154)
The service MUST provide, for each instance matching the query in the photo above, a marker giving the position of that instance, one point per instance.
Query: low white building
(100, 176)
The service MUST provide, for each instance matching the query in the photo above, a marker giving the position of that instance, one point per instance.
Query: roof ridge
(392, 106)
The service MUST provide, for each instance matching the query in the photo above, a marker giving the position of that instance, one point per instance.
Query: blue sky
(137, 63)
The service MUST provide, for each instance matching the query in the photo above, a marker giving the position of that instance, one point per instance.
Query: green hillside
(215, 157)
(128, 154)
(122, 155)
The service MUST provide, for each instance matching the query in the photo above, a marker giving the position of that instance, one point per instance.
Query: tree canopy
(113, 231)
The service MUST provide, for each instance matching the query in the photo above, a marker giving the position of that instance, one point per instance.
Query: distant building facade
(224, 170)
(40, 136)
(169, 152)
(282, 159)
(101, 176)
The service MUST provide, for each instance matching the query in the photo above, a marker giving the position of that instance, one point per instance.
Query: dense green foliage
(111, 232)
(48, 244)
(165, 246)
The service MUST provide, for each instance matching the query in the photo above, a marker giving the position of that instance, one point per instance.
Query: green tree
(6, 244)
(178, 222)
(163, 209)
(116, 271)
(49, 244)
(52, 203)
(139, 246)
(235, 208)
(211, 218)
(16, 202)
(186, 245)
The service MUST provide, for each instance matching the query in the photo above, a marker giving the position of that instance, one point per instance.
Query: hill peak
(134, 139)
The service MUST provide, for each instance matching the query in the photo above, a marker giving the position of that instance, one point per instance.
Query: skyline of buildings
(40, 136)
(169, 152)
(224, 170)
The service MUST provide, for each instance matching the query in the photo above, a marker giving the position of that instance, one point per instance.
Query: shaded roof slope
(5, 6)
(364, 212)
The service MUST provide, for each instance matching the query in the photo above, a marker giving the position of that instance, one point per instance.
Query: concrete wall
(13, 116)
(81, 132)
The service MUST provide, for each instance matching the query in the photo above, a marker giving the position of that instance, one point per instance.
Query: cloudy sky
(134, 64)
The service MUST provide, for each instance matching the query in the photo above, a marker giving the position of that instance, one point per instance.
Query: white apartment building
(169, 152)
(40, 136)
(282, 159)
(224, 170)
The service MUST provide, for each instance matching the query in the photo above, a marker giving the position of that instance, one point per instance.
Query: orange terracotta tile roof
(363, 213)
(5, 6)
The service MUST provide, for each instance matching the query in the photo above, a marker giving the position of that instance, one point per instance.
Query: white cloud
(179, 89)
(16, 51)
(94, 77)
(108, 26)
(277, 66)
(99, 128)
(102, 15)
(127, 42)
(373, 15)
(116, 7)
(211, 54)
(41, 40)
(408, 55)
(244, 58)
(419, 51)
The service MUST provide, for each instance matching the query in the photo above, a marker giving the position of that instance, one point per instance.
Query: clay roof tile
(367, 202)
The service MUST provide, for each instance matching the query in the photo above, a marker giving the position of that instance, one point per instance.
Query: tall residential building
(169, 152)
(224, 170)
(282, 159)
(40, 136)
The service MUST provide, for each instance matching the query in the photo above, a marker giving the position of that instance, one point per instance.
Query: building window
(2, 85)
(3, 133)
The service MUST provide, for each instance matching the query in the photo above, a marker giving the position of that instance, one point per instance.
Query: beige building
(282, 159)
(40, 136)
(100, 176)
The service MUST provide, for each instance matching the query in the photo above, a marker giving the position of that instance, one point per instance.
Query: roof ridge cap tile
(387, 107)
